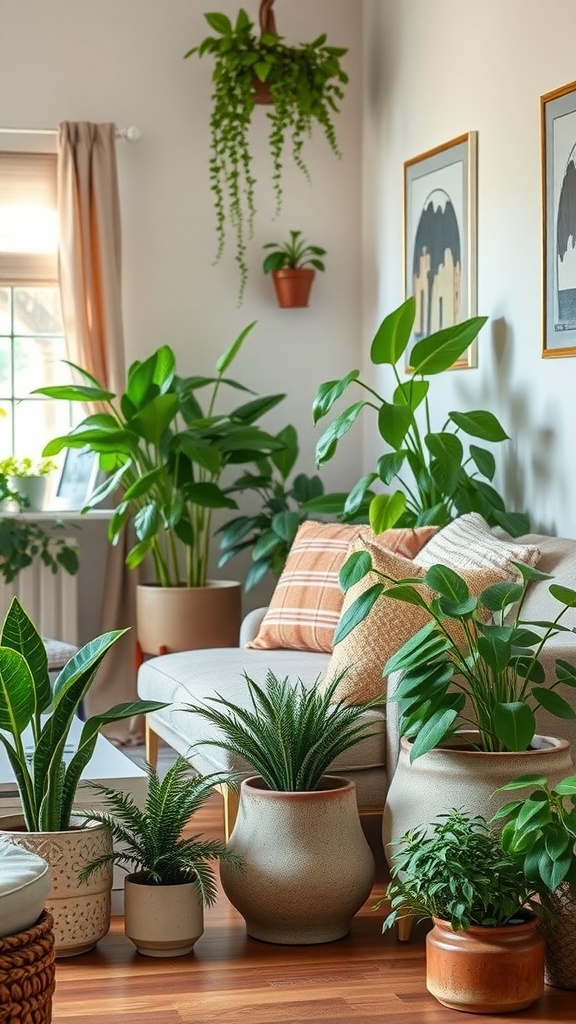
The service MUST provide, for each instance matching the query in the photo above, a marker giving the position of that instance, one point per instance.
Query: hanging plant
(305, 86)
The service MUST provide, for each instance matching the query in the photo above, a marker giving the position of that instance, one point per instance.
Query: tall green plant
(167, 455)
(440, 476)
(46, 780)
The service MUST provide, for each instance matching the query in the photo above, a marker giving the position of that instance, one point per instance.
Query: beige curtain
(90, 284)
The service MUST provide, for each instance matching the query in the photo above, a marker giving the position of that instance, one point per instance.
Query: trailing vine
(306, 86)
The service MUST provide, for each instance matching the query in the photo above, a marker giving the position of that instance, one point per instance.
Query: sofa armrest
(251, 624)
(392, 725)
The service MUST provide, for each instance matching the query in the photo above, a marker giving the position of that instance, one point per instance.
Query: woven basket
(27, 974)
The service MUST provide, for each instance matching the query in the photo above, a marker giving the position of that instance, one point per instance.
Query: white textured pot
(33, 488)
(162, 920)
(448, 777)
(307, 867)
(188, 618)
(81, 913)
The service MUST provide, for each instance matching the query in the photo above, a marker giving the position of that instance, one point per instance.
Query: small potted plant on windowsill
(293, 265)
(27, 479)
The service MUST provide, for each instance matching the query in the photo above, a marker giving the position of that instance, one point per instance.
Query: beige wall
(435, 69)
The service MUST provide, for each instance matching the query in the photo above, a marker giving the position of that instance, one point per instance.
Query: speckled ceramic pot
(448, 777)
(485, 970)
(81, 913)
(307, 867)
(162, 920)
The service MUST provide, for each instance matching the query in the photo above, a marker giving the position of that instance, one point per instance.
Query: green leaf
(394, 422)
(354, 569)
(151, 377)
(356, 497)
(393, 335)
(231, 352)
(209, 495)
(386, 510)
(75, 393)
(412, 393)
(554, 703)
(406, 593)
(447, 583)
(330, 392)
(515, 523)
(514, 725)
(390, 465)
(498, 596)
(567, 787)
(326, 446)
(426, 645)
(565, 595)
(484, 461)
(17, 698)
(357, 612)
(439, 351)
(448, 451)
(220, 23)
(285, 525)
(285, 458)
(154, 418)
(524, 780)
(432, 732)
(479, 423)
(566, 672)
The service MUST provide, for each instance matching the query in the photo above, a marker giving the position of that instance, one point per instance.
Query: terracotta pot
(262, 94)
(188, 618)
(307, 867)
(81, 913)
(560, 937)
(448, 777)
(162, 920)
(293, 287)
(485, 970)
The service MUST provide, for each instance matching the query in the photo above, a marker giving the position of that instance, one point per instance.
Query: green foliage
(46, 780)
(167, 454)
(457, 871)
(540, 829)
(22, 541)
(485, 675)
(282, 508)
(295, 253)
(151, 841)
(306, 86)
(439, 476)
(26, 467)
(290, 735)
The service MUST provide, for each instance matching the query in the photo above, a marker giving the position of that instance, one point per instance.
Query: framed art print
(77, 479)
(558, 135)
(440, 245)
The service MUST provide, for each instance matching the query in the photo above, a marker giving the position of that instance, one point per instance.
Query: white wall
(122, 61)
(435, 69)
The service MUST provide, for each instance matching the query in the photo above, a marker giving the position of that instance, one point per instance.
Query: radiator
(50, 599)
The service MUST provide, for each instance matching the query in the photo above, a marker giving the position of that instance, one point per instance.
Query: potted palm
(166, 454)
(35, 724)
(540, 830)
(484, 953)
(304, 86)
(440, 476)
(306, 865)
(170, 876)
(293, 265)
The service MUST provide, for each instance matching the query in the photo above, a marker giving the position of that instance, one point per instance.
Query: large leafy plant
(167, 454)
(35, 720)
(305, 87)
(150, 840)
(440, 475)
(483, 675)
(288, 734)
(458, 871)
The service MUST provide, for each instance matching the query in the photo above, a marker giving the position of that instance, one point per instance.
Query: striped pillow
(306, 604)
(469, 543)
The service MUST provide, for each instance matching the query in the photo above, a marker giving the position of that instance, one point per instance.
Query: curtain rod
(131, 134)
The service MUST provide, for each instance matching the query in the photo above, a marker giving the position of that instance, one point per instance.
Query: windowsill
(66, 515)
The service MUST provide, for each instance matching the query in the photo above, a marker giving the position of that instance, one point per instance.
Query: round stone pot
(560, 937)
(307, 867)
(485, 970)
(172, 619)
(81, 913)
(457, 776)
(162, 920)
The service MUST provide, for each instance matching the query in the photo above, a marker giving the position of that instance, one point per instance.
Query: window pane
(35, 423)
(5, 430)
(5, 369)
(5, 313)
(37, 311)
(38, 363)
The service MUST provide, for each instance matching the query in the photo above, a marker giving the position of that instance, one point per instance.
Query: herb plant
(457, 871)
(289, 735)
(151, 838)
(294, 254)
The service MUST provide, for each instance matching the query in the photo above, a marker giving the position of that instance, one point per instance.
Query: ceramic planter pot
(485, 970)
(188, 618)
(33, 488)
(162, 920)
(293, 287)
(81, 913)
(560, 937)
(307, 867)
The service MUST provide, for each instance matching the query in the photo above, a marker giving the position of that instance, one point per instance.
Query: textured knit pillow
(307, 601)
(361, 656)
(468, 542)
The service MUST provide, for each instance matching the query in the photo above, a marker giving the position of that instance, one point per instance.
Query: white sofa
(192, 676)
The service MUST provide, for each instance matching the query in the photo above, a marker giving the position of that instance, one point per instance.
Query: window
(32, 344)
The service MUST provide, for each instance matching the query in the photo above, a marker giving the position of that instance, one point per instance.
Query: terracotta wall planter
(293, 287)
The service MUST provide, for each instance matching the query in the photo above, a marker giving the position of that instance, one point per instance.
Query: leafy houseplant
(293, 266)
(23, 540)
(439, 477)
(487, 675)
(167, 454)
(26, 467)
(306, 87)
(282, 508)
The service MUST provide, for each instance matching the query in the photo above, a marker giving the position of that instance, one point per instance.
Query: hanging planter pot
(293, 265)
(293, 288)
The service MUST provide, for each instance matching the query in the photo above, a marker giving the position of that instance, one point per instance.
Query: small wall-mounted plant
(293, 265)
(305, 84)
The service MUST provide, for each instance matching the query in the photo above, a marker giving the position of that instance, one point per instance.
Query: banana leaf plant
(47, 781)
(441, 475)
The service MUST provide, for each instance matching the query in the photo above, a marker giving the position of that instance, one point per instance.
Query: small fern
(151, 837)
(291, 734)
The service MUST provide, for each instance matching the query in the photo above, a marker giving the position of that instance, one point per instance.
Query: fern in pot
(307, 867)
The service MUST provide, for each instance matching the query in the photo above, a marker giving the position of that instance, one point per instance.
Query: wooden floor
(364, 978)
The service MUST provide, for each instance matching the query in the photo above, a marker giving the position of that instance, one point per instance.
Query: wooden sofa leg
(231, 799)
(404, 928)
(151, 744)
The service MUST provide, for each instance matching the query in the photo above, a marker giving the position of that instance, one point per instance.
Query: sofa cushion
(468, 542)
(558, 558)
(24, 886)
(360, 657)
(307, 600)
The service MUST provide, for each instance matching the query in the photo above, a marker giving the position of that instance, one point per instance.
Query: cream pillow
(468, 543)
(361, 655)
